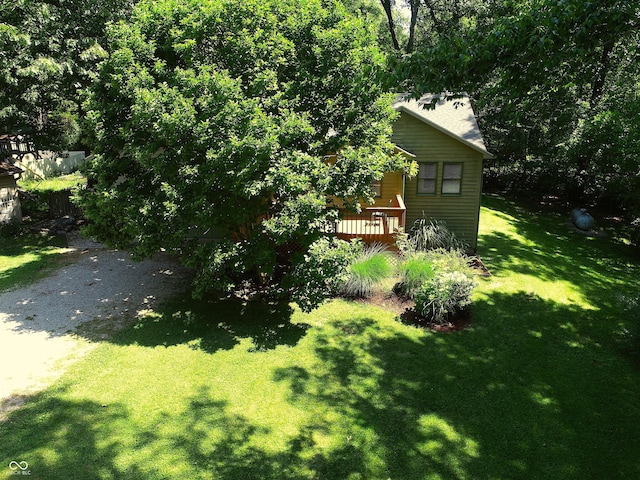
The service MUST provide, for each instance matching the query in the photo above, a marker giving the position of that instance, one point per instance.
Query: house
(446, 143)
(9, 202)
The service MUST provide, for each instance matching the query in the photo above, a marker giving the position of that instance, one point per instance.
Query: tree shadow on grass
(546, 249)
(239, 449)
(524, 396)
(216, 324)
(64, 438)
(530, 397)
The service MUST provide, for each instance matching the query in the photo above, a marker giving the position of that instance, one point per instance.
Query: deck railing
(373, 224)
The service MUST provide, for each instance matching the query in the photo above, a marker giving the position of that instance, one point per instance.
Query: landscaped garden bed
(427, 280)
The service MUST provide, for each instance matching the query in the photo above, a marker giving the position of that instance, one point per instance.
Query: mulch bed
(460, 321)
(404, 309)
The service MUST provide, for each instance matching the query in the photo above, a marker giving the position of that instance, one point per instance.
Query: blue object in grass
(581, 219)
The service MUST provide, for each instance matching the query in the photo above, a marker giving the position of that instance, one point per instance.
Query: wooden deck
(374, 224)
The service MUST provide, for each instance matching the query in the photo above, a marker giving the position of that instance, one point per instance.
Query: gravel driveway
(100, 287)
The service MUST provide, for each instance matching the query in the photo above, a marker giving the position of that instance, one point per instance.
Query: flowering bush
(323, 272)
(446, 293)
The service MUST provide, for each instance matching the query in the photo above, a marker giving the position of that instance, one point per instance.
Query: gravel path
(100, 287)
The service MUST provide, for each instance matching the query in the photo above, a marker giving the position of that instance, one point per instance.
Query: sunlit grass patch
(53, 184)
(26, 258)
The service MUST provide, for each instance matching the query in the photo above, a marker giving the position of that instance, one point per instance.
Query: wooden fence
(61, 205)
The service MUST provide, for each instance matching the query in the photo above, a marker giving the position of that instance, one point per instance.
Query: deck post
(403, 215)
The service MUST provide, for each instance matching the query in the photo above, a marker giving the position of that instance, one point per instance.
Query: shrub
(10, 228)
(403, 243)
(449, 261)
(373, 264)
(430, 234)
(444, 295)
(322, 272)
(415, 270)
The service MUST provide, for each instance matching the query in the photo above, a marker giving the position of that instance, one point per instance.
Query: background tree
(554, 82)
(212, 122)
(48, 53)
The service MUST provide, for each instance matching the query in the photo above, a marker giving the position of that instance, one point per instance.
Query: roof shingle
(452, 117)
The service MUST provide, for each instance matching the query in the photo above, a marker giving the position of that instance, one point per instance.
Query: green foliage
(48, 54)
(323, 272)
(430, 234)
(555, 85)
(371, 266)
(441, 283)
(415, 269)
(10, 228)
(449, 260)
(444, 294)
(217, 116)
(431, 250)
(604, 150)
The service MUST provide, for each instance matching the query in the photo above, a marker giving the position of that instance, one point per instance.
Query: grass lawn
(53, 184)
(26, 258)
(537, 388)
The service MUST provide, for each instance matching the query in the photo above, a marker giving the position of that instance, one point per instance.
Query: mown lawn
(26, 258)
(538, 388)
(53, 184)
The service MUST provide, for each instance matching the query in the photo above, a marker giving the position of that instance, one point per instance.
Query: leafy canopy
(555, 84)
(213, 120)
(48, 52)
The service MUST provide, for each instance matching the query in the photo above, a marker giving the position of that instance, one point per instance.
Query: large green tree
(213, 120)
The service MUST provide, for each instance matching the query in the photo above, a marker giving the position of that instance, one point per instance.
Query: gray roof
(452, 117)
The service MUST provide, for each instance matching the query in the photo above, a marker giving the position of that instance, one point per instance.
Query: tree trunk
(415, 5)
(386, 4)
(601, 72)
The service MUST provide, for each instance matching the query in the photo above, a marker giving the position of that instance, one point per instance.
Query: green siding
(460, 212)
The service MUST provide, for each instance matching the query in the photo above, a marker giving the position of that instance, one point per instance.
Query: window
(427, 178)
(376, 185)
(451, 178)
